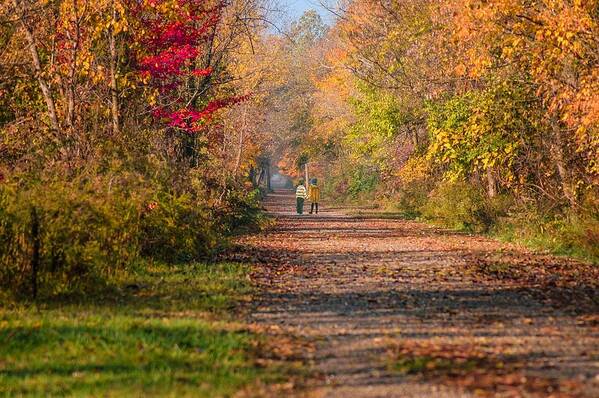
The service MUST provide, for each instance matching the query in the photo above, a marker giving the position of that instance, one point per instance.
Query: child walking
(300, 197)
(314, 194)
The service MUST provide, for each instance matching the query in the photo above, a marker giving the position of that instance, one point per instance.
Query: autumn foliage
(159, 119)
(169, 60)
(476, 114)
(111, 135)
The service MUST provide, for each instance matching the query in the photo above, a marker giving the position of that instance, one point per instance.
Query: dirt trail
(372, 293)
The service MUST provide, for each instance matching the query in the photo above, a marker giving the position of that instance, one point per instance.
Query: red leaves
(172, 39)
(202, 72)
(169, 63)
(191, 119)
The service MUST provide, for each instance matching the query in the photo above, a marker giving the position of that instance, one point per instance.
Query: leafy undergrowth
(485, 371)
(568, 284)
(165, 333)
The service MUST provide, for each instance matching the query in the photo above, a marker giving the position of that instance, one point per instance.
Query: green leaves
(379, 119)
(481, 130)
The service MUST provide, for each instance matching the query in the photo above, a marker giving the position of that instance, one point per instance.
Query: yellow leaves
(443, 145)
(554, 42)
(85, 64)
(152, 98)
(99, 77)
(540, 35)
(118, 26)
(416, 168)
(460, 70)
(488, 160)
(510, 148)
(507, 52)
(517, 41)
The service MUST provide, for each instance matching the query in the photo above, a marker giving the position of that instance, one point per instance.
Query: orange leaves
(554, 41)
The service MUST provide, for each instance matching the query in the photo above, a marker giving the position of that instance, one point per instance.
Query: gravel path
(393, 308)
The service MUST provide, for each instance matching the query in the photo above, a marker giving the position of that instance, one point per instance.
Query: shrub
(462, 206)
(566, 233)
(363, 180)
(62, 237)
(334, 188)
(177, 228)
(241, 212)
(412, 197)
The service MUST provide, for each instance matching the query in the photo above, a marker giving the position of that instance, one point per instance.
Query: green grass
(166, 332)
(569, 237)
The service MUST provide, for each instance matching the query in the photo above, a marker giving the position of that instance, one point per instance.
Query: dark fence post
(35, 255)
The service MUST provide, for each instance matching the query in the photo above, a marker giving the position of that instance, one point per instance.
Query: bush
(62, 237)
(363, 181)
(460, 205)
(195, 224)
(581, 237)
(570, 233)
(355, 183)
(412, 197)
(177, 228)
(334, 188)
(242, 212)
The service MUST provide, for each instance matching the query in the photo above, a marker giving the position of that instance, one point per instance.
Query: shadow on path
(359, 287)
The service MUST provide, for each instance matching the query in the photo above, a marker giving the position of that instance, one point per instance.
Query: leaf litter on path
(393, 308)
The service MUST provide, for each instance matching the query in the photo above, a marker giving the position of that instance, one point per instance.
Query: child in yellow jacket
(314, 195)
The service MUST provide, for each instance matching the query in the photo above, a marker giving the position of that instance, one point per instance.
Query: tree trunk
(72, 79)
(268, 187)
(415, 138)
(252, 176)
(306, 173)
(557, 153)
(260, 176)
(241, 139)
(37, 66)
(114, 93)
(491, 184)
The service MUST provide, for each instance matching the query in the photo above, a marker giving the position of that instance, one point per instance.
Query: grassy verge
(572, 237)
(165, 332)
